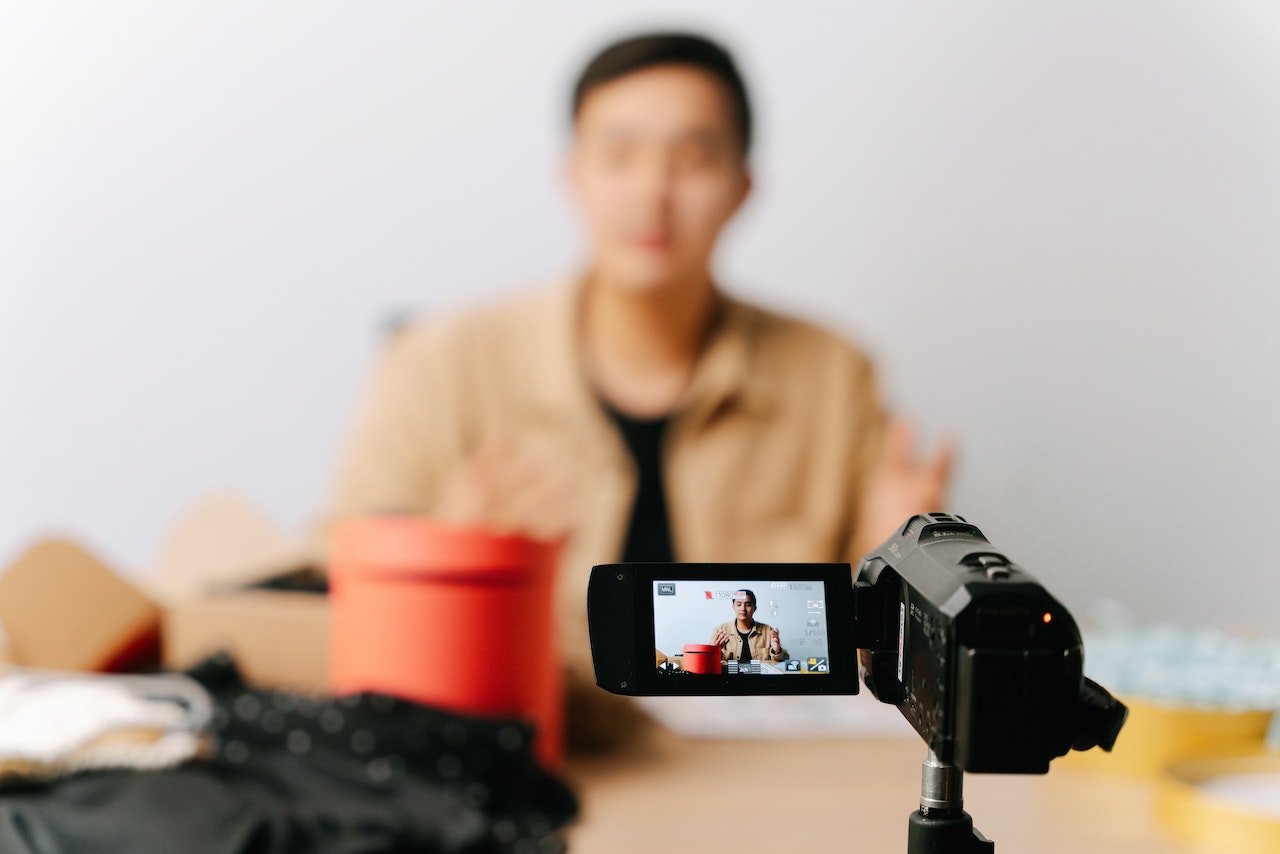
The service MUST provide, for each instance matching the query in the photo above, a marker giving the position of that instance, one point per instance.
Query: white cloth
(52, 723)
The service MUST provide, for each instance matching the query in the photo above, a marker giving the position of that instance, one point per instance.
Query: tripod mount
(941, 826)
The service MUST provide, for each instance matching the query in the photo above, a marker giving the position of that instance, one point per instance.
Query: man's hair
(751, 596)
(653, 49)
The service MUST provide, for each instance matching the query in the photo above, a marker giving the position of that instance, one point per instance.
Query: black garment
(649, 531)
(745, 654)
(292, 774)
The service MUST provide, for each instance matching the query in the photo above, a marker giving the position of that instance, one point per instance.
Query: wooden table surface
(783, 796)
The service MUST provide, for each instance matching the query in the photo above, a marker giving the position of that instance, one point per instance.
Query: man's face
(657, 170)
(745, 609)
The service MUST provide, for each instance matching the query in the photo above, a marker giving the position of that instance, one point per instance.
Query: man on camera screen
(744, 639)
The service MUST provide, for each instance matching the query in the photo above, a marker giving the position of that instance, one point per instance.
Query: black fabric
(649, 530)
(366, 773)
(744, 654)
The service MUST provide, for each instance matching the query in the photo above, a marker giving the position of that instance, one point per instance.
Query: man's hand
(902, 485)
(775, 644)
(720, 638)
(511, 489)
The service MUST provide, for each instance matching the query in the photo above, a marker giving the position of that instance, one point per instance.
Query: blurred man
(635, 409)
(744, 639)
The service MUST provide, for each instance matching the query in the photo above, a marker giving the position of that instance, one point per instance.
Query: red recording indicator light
(1048, 618)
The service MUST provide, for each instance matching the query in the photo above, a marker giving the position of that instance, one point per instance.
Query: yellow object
(1205, 818)
(1158, 734)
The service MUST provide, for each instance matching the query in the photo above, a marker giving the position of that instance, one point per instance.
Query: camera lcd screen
(741, 627)
(723, 628)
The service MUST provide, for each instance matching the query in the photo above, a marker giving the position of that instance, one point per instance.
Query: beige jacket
(765, 457)
(757, 642)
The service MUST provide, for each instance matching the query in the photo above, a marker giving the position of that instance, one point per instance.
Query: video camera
(975, 653)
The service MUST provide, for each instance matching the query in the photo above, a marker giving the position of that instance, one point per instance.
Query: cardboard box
(63, 608)
(279, 639)
(211, 554)
(223, 541)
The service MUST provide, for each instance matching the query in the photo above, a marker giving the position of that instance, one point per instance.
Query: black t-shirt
(745, 655)
(649, 531)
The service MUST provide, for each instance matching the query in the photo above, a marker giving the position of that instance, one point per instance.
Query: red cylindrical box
(701, 658)
(451, 617)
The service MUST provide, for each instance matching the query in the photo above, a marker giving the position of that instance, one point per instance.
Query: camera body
(975, 653)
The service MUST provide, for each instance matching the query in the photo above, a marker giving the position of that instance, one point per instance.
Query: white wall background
(1056, 224)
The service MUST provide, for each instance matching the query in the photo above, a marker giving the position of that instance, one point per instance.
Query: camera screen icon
(817, 665)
